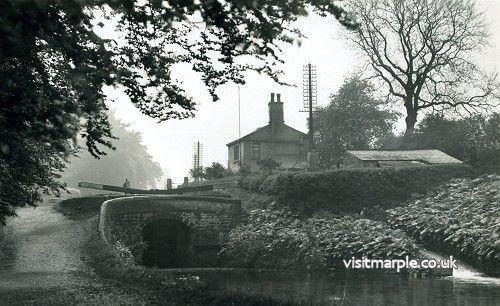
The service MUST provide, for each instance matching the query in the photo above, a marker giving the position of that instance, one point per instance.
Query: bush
(351, 189)
(460, 217)
(244, 170)
(267, 164)
(277, 239)
(216, 171)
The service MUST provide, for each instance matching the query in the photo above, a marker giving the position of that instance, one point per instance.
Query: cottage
(276, 140)
(392, 158)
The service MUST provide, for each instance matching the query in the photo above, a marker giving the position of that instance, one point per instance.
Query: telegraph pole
(239, 125)
(309, 97)
(197, 158)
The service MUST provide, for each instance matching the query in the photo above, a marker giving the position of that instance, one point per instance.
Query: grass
(84, 207)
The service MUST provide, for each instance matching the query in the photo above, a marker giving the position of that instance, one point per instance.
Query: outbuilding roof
(426, 156)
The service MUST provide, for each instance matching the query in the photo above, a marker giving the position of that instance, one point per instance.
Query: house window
(236, 153)
(256, 150)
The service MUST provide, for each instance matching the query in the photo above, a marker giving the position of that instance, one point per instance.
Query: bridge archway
(168, 244)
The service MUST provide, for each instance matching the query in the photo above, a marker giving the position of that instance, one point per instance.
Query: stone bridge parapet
(206, 220)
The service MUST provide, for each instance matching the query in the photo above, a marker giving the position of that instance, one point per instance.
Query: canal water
(466, 287)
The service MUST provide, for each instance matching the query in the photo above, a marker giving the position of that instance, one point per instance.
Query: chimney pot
(275, 111)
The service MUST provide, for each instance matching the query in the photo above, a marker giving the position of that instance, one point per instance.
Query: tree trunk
(411, 120)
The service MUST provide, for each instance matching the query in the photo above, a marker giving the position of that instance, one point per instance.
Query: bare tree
(423, 50)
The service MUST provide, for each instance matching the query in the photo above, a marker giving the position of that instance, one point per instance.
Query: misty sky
(171, 142)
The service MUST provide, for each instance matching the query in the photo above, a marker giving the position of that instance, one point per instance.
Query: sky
(215, 124)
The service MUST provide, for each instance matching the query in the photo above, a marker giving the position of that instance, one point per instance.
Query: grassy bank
(83, 207)
(461, 217)
(279, 239)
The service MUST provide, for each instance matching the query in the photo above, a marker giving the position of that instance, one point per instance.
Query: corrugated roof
(427, 156)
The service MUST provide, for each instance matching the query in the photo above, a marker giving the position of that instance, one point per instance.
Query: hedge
(351, 189)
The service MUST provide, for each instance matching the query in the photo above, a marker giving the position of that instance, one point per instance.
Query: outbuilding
(392, 158)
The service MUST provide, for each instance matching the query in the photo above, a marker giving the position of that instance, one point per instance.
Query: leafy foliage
(216, 171)
(54, 66)
(28, 169)
(212, 36)
(460, 217)
(277, 239)
(267, 164)
(475, 139)
(351, 189)
(352, 120)
(244, 169)
(197, 173)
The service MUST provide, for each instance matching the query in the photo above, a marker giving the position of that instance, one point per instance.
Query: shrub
(351, 189)
(267, 164)
(216, 171)
(278, 239)
(244, 170)
(460, 217)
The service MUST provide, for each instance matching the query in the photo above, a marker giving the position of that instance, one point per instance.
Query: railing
(179, 190)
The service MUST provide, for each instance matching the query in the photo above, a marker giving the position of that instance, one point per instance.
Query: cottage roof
(426, 156)
(282, 133)
(276, 130)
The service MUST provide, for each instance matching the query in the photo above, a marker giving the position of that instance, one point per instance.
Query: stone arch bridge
(169, 231)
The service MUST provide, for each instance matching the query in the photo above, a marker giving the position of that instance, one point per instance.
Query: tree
(216, 171)
(352, 120)
(130, 160)
(475, 139)
(423, 51)
(53, 68)
(197, 173)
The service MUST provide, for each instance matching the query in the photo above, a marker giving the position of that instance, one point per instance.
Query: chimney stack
(276, 110)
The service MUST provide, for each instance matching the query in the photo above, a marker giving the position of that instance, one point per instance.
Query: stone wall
(208, 219)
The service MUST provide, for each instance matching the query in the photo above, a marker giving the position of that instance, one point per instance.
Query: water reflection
(355, 288)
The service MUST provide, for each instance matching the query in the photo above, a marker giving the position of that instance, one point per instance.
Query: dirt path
(40, 263)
